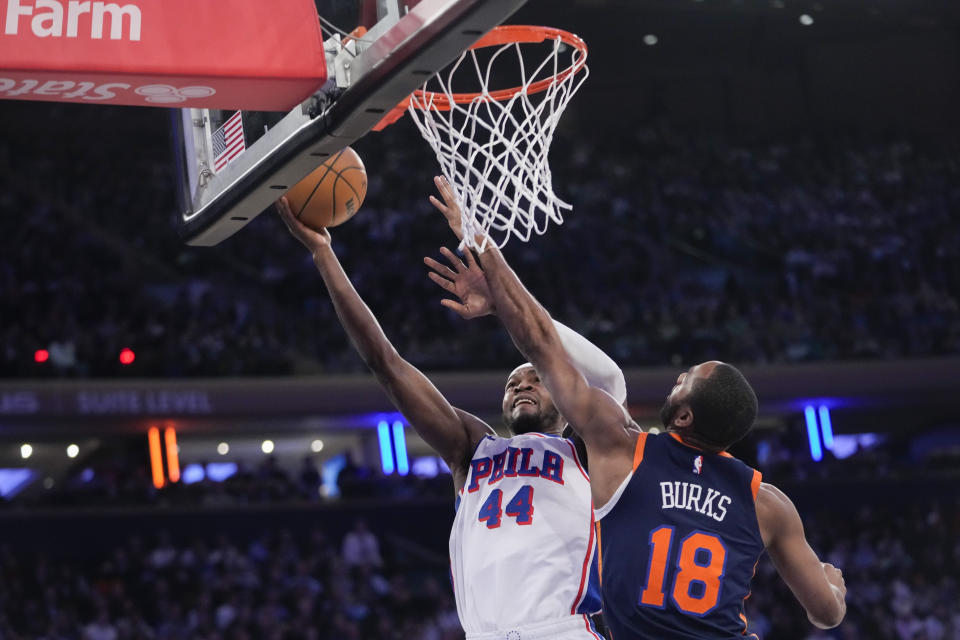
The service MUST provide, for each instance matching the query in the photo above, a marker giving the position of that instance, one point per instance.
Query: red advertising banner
(226, 54)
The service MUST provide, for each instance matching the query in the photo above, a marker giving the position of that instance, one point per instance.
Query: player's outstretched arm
(467, 282)
(599, 419)
(451, 432)
(819, 586)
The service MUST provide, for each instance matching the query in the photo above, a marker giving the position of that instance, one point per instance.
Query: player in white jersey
(522, 547)
(518, 550)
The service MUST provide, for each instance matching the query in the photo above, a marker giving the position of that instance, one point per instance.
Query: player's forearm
(437, 422)
(832, 612)
(356, 318)
(527, 322)
(597, 417)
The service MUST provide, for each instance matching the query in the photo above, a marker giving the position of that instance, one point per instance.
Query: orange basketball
(332, 193)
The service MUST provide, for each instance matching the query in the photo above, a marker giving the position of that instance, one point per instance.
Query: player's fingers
(441, 269)
(446, 190)
(443, 282)
(454, 260)
(471, 261)
(836, 575)
(453, 305)
(443, 185)
(442, 208)
(283, 208)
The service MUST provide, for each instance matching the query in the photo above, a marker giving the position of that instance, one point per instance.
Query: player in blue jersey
(680, 522)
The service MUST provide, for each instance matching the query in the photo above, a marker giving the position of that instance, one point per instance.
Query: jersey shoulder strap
(639, 449)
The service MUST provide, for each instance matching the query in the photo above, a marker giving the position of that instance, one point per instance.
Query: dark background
(713, 174)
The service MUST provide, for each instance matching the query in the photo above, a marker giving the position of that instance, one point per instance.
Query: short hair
(724, 407)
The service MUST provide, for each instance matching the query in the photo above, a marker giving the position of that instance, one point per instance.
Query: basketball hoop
(493, 145)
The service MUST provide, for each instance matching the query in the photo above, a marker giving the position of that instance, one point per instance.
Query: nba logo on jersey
(698, 465)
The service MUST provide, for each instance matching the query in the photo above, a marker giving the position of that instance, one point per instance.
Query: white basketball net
(495, 154)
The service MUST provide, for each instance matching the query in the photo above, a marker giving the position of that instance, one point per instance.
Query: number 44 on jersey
(520, 507)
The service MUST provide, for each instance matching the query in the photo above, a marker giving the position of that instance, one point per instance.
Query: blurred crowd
(900, 564)
(885, 514)
(679, 248)
(280, 586)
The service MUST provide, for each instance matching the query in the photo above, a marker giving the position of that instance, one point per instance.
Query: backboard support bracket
(420, 43)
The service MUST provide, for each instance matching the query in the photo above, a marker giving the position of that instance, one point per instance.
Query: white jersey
(522, 548)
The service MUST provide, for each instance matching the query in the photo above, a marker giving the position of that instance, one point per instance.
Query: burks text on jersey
(691, 496)
(515, 462)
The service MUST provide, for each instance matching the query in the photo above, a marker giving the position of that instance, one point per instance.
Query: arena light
(173, 454)
(220, 471)
(330, 471)
(316, 446)
(400, 446)
(193, 473)
(156, 457)
(267, 446)
(813, 434)
(73, 451)
(26, 451)
(826, 426)
(127, 356)
(13, 481)
(386, 451)
(650, 40)
(41, 355)
(806, 19)
(223, 448)
(426, 467)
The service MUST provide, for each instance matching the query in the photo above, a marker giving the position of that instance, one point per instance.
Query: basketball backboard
(232, 167)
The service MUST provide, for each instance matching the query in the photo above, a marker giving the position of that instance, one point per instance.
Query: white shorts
(570, 628)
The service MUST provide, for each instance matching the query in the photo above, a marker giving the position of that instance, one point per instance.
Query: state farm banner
(214, 54)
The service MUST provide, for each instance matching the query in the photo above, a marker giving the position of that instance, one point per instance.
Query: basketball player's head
(527, 405)
(712, 406)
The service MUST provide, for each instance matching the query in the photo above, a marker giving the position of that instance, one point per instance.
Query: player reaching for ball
(522, 548)
(466, 281)
(680, 523)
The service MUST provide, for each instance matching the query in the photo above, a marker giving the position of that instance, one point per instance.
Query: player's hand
(466, 281)
(308, 237)
(450, 208)
(835, 578)
(839, 587)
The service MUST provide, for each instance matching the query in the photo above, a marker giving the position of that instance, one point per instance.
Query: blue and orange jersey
(679, 542)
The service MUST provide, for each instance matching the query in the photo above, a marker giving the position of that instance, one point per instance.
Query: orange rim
(507, 34)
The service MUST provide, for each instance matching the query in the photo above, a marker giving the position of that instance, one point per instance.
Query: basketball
(332, 193)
